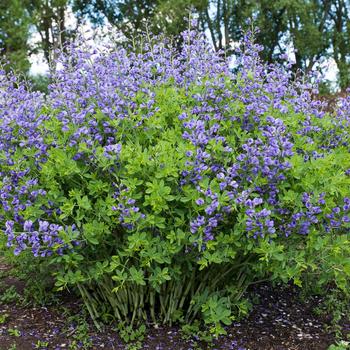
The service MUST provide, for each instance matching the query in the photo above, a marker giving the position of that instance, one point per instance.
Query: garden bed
(279, 320)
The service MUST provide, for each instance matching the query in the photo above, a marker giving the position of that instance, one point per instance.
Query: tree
(307, 25)
(304, 23)
(340, 36)
(315, 29)
(14, 24)
(49, 19)
(132, 17)
(223, 19)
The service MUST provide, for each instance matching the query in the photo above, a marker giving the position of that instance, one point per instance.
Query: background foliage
(315, 29)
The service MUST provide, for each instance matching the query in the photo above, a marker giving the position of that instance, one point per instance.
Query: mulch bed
(279, 321)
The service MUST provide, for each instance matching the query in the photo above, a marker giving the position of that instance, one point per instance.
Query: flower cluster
(46, 235)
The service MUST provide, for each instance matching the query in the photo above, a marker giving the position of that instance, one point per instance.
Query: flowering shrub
(161, 185)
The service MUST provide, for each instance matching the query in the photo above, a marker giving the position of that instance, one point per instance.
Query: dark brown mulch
(279, 321)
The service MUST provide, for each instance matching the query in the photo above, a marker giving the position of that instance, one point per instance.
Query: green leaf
(137, 276)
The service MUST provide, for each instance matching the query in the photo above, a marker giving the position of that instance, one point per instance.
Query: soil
(278, 321)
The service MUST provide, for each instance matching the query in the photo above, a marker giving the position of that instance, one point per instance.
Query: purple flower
(200, 201)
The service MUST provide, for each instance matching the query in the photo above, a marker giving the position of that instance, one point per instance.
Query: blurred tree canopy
(48, 18)
(14, 33)
(314, 29)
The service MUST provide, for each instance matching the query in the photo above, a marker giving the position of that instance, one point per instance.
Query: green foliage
(3, 318)
(132, 336)
(14, 332)
(196, 333)
(78, 329)
(10, 295)
(41, 344)
(128, 246)
(39, 83)
(33, 274)
(14, 25)
(341, 345)
(334, 305)
(148, 266)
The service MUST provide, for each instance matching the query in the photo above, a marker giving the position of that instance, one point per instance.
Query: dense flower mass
(155, 160)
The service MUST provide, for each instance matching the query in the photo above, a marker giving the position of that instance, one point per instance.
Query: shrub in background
(161, 185)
